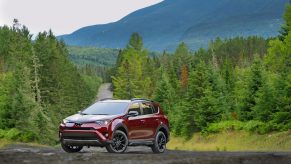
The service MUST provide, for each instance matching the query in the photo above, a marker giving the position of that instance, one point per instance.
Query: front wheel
(71, 149)
(119, 142)
(159, 145)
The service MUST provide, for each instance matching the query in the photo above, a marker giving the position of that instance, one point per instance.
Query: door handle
(143, 121)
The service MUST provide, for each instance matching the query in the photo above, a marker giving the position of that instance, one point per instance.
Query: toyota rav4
(116, 124)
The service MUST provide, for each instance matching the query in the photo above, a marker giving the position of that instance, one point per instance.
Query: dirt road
(38, 155)
(104, 91)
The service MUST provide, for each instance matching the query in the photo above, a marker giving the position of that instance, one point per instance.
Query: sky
(66, 16)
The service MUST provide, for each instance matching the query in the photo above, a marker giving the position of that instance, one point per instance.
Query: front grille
(73, 135)
(78, 128)
(80, 138)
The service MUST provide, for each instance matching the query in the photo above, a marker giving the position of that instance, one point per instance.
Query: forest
(234, 84)
(39, 85)
(242, 83)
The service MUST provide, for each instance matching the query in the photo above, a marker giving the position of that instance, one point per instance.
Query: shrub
(253, 125)
(223, 126)
(2, 133)
(28, 136)
(13, 134)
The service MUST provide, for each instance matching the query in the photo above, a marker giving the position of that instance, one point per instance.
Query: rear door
(134, 124)
(149, 120)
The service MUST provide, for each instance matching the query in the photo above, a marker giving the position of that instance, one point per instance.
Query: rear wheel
(71, 149)
(159, 145)
(119, 142)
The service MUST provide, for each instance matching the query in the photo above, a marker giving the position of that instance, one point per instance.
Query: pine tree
(253, 85)
(184, 76)
(135, 42)
(180, 58)
(132, 78)
(285, 29)
(164, 94)
(201, 106)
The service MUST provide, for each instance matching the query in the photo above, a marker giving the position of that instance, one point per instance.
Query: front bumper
(85, 135)
(87, 142)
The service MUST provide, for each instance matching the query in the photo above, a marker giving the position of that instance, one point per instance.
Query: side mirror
(132, 113)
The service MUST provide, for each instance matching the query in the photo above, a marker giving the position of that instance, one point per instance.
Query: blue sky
(66, 16)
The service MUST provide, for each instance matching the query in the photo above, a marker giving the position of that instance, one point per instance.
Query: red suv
(116, 124)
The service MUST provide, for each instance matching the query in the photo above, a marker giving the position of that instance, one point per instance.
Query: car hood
(89, 118)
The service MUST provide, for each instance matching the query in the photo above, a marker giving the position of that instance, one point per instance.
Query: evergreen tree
(164, 94)
(135, 42)
(132, 78)
(253, 85)
(285, 29)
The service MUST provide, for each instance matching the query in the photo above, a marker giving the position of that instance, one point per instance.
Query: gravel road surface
(104, 91)
(21, 153)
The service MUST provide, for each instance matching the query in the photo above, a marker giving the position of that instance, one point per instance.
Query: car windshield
(106, 108)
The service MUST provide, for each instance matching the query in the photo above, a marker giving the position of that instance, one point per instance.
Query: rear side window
(155, 108)
(134, 107)
(147, 108)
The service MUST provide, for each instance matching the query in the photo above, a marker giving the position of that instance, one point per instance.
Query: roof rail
(106, 99)
(135, 99)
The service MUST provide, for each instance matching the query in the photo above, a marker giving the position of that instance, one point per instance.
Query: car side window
(155, 108)
(147, 108)
(135, 107)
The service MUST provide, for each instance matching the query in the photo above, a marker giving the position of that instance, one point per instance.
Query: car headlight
(65, 121)
(102, 122)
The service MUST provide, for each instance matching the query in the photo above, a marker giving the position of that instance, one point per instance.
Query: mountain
(195, 22)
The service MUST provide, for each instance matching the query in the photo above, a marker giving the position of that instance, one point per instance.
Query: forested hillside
(235, 84)
(164, 25)
(93, 61)
(39, 86)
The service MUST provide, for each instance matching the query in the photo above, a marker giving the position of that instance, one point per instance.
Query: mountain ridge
(170, 22)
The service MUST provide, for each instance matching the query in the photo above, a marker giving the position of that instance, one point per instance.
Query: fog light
(105, 134)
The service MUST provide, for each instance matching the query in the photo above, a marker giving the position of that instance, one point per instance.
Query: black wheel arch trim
(167, 131)
(120, 125)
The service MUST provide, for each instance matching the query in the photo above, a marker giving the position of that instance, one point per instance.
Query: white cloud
(66, 16)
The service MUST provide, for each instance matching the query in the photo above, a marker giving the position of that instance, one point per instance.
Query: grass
(234, 141)
(4, 142)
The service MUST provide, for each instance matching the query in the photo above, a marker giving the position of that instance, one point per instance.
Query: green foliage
(93, 61)
(38, 85)
(13, 134)
(235, 84)
(286, 28)
(132, 78)
(250, 126)
(164, 93)
(253, 85)
(135, 42)
(224, 126)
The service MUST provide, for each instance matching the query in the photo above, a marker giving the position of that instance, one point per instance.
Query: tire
(160, 142)
(120, 142)
(71, 149)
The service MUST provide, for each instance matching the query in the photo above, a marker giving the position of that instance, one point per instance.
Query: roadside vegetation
(233, 141)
